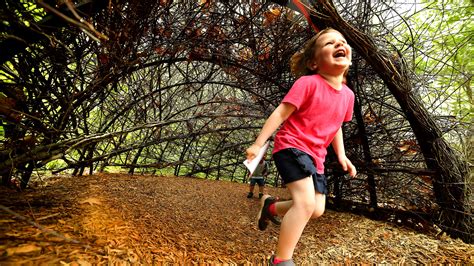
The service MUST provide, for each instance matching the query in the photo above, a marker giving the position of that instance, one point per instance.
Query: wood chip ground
(117, 219)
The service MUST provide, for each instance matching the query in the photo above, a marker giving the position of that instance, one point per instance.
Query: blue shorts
(293, 165)
(259, 181)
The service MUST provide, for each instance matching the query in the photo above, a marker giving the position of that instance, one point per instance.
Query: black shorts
(259, 181)
(293, 165)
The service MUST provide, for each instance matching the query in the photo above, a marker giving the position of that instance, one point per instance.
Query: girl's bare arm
(279, 115)
(338, 145)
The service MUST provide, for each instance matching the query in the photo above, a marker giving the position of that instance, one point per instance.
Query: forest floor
(120, 219)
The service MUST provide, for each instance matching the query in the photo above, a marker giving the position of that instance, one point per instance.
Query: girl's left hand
(347, 165)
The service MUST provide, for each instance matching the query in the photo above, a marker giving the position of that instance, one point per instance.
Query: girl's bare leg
(305, 204)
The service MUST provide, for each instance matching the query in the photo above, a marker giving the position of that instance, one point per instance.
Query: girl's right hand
(252, 151)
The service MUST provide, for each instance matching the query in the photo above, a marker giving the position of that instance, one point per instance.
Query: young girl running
(312, 114)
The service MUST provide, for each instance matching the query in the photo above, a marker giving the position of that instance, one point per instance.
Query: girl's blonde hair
(301, 61)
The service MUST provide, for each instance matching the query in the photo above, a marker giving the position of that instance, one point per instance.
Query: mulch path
(122, 219)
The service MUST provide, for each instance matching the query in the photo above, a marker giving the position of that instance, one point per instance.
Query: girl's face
(333, 54)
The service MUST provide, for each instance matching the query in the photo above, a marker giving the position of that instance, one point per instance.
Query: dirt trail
(121, 219)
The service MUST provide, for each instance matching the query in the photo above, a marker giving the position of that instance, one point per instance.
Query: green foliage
(444, 52)
(2, 133)
(55, 164)
(34, 12)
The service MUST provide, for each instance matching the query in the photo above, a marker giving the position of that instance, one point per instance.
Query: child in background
(311, 116)
(258, 177)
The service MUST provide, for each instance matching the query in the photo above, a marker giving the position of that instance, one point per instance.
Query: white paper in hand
(253, 164)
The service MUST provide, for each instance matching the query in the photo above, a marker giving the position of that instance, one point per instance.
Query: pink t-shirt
(320, 111)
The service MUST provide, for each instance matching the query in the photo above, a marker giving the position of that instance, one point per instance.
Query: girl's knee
(307, 207)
